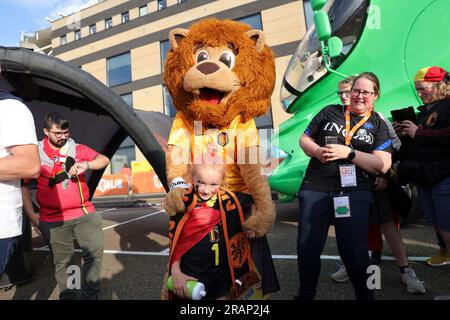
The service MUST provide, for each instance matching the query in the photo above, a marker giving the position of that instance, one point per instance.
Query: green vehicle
(392, 38)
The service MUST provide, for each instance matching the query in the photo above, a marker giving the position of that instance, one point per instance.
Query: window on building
(92, 29)
(128, 98)
(63, 39)
(181, 1)
(108, 23)
(125, 154)
(77, 34)
(162, 4)
(169, 107)
(125, 17)
(165, 48)
(143, 11)
(119, 69)
(254, 21)
(309, 14)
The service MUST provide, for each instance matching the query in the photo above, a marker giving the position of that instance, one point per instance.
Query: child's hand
(179, 284)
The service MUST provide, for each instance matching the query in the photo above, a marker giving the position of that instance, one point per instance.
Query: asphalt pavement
(136, 248)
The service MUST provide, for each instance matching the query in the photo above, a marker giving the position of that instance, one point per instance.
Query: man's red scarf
(55, 156)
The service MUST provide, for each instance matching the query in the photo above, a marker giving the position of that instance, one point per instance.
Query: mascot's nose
(207, 67)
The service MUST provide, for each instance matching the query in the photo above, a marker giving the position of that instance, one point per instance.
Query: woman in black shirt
(337, 184)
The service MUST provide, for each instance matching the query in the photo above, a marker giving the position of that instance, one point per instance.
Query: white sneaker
(413, 284)
(340, 275)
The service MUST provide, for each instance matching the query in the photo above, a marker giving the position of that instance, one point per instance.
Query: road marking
(133, 253)
(165, 252)
(135, 219)
(326, 257)
(107, 210)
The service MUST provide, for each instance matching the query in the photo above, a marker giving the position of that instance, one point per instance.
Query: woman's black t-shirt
(330, 121)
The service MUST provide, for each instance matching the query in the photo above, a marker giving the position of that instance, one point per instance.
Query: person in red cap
(425, 151)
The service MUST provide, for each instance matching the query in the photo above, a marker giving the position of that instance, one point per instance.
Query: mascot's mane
(243, 90)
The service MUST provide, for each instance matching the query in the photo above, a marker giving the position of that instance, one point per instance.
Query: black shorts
(381, 209)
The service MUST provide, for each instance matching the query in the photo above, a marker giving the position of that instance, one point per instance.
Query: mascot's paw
(260, 222)
(173, 202)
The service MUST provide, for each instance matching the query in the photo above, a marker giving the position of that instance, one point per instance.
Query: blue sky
(29, 15)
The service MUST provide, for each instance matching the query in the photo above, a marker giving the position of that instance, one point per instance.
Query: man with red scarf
(65, 211)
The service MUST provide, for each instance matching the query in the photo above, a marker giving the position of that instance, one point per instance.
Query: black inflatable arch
(98, 117)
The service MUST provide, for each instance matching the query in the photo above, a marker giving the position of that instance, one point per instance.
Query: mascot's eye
(227, 58)
(202, 55)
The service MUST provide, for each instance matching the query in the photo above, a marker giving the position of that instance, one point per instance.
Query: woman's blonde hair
(443, 88)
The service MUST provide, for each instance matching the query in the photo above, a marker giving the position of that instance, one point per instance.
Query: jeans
(316, 213)
(435, 202)
(87, 230)
(7, 247)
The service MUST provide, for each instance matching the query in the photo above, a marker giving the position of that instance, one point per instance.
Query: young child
(207, 240)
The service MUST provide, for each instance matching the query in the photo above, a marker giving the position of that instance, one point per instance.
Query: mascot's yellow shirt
(227, 145)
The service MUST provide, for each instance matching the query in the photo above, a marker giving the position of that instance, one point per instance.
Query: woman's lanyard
(351, 132)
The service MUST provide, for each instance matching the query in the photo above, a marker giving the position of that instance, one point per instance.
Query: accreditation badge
(341, 207)
(347, 173)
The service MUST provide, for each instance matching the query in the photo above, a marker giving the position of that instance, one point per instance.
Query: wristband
(178, 182)
(87, 164)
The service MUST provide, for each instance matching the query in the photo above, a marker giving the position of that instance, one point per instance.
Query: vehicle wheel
(415, 213)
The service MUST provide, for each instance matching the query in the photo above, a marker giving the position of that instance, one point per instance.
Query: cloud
(69, 7)
(32, 4)
(52, 8)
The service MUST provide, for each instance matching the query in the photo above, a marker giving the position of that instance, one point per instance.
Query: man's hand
(34, 219)
(78, 168)
(173, 202)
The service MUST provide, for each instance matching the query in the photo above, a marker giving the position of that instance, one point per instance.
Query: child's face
(207, 182)
(344, 93)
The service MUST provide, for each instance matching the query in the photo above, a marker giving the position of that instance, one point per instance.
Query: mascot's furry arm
(263, 213)
(177, 176)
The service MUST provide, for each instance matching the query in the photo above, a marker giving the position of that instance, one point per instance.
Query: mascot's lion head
(219, 69)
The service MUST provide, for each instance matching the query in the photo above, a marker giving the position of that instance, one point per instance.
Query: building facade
(124, 44)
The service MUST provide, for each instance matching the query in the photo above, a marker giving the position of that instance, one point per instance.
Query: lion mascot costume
(221, 75)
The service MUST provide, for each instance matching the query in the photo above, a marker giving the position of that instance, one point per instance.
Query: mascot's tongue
(211, 96)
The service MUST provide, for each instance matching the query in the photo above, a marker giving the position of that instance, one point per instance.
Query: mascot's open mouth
(211, 95)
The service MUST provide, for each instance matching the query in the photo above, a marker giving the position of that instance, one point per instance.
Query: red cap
(430, 74)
